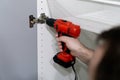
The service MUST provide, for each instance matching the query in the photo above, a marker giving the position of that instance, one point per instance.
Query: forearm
(86, 55)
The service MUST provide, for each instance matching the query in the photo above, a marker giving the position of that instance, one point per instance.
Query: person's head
(105, 64)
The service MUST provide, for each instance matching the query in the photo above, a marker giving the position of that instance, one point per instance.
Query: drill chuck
(50, 22)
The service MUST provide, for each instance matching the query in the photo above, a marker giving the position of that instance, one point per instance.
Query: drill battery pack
(63, 60)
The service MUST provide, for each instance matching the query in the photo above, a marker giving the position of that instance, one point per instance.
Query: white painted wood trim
(46, 49)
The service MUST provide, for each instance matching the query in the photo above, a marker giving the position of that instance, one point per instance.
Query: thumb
(63, 39)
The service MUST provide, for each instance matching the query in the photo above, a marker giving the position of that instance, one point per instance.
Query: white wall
(72, 8)
(66, 8)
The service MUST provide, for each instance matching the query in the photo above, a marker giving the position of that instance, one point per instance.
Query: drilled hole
(41, 67)
(41, 45)
(41, 51)
(41, 57)
(41, 27)
(41, 72)
(41, 62)
(41, 33)
(41, 78)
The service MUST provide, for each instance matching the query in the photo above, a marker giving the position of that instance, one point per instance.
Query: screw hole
(41, 62)
(41, 33)
(41, 72)
(41, 67)
(41, 51)
(41, 57)
(41, 78)
(41, 45)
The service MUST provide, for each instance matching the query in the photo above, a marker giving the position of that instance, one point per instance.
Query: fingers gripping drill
(63, 27)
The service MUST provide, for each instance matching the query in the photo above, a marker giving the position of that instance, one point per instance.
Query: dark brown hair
(109, 67)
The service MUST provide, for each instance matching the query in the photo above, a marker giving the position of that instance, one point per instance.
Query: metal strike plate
(33, 20)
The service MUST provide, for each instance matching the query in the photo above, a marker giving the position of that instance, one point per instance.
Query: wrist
(85, 55)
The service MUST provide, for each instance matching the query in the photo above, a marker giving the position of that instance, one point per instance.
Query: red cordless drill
(65, 28)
